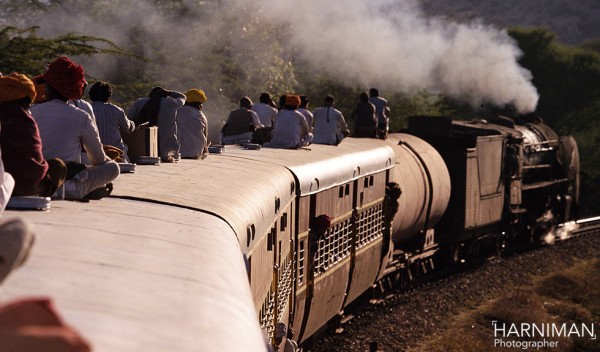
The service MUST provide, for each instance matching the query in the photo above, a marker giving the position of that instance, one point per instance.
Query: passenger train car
(254, 250)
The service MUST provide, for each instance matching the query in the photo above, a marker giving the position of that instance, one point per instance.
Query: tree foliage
(25, 52)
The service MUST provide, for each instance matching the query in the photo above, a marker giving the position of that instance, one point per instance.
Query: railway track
(588, 226)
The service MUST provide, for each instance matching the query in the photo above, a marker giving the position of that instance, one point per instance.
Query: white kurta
(328, 125)
(192, 131)
(266, 113)
(64, 128)
(290, 130)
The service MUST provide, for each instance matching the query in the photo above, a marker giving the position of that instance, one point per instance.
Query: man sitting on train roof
(291, 129)
(365, 118)
(111, 120)
(240, 124)
(21, 142)
(65, 129)
(192, 126)
(160, 109)
(329, 124)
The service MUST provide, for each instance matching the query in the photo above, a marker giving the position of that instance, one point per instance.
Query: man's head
(329, 100)
(66, 78)
(246, 102)
(373, 92)
(158, 92)
(364, 97)
(100, 91)
(292, 102)
(265, 98)
(304, 101)
(195, 96)
(17, 88)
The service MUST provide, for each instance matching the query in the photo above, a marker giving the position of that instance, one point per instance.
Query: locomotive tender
(246, 249)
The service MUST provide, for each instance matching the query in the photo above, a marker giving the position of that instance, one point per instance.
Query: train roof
(319, 167)
(139, 276)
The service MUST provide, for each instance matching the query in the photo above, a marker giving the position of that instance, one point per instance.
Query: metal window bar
(301, 261)
(284, 287)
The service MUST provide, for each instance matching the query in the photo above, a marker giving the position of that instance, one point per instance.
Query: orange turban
(16, 86)
(292, 100)
(66, 77)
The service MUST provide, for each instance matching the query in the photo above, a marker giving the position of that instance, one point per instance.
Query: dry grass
(569, 296)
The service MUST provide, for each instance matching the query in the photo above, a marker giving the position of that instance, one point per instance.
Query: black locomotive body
(512, 180)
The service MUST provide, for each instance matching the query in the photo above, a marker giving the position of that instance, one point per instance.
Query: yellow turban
(16, 86)
(195, 96)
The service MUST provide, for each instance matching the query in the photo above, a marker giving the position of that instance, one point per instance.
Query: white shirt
(327, 123)
(289, 130)
(64, 129)
(266, 113)
(112, 123)
(7, 184)
(83, 105)
(308, 116)
(192, 131)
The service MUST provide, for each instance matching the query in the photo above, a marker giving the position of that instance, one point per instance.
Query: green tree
(25, 52)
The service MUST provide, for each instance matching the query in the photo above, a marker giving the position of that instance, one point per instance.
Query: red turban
(16, 86)
(292, 100)
(66, 77)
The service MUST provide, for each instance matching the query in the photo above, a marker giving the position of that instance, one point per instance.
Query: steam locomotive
(256, 250)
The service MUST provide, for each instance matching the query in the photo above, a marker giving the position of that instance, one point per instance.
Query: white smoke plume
(391, 44)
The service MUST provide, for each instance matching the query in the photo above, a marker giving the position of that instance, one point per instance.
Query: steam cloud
(389, 44)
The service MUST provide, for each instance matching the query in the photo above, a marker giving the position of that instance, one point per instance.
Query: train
(257, 249)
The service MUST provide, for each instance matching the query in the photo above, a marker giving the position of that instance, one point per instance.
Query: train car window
(371, 181)
(271, 238)
(366, 183)
(347, 189)
(283, 222)
(250, 233)
(277, 204)
(341, 195)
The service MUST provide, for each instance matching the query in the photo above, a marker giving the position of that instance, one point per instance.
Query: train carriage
(249, 249)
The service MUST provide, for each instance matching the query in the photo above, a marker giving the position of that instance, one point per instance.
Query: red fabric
(66, 77)
(21, 149)
(33, 325)
(292, 100)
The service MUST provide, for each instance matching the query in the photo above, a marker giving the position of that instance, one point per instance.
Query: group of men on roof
(292, 125)
(63, 140)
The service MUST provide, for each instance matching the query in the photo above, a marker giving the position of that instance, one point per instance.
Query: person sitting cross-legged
(65, 129)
